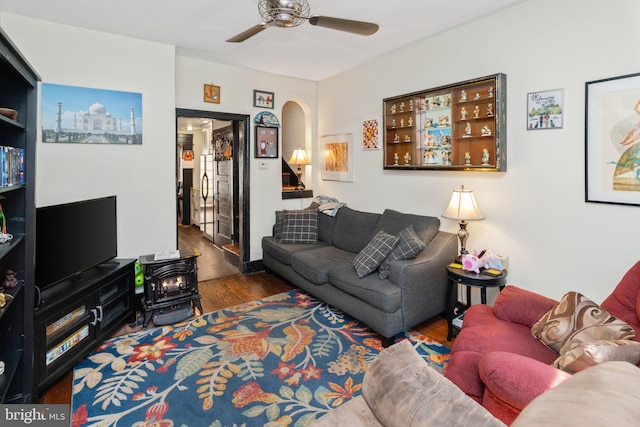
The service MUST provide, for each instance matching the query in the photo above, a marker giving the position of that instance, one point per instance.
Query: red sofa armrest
(516, 380)
(518, 305)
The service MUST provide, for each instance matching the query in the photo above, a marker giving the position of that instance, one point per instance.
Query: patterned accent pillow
(370, 258)
(577, 318)
(277, 227)
(409, 246)
(300, 226)
(576, 356)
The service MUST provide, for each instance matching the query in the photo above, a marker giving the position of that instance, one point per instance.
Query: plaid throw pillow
(409, 246)
(300, 226)
(374, 253)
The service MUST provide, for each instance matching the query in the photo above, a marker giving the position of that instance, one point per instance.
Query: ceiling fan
(291, 13)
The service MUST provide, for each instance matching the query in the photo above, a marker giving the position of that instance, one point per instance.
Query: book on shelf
(457, 321)
(11, 166)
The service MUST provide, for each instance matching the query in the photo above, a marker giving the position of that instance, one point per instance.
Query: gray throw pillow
(300, 226)
(369, 258)
(409, 246)
(277, 227)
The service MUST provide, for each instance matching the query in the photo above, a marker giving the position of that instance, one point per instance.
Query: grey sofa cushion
(300, 226)
(326, 224)
(380, 294)
(314, 265)
(354, 229)
(283, 251)
(376, 251)
(393, 222)
(409, 245)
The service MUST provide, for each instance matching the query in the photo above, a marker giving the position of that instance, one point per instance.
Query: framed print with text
(545, 109)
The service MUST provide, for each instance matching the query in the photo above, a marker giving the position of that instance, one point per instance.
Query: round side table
(470, 280)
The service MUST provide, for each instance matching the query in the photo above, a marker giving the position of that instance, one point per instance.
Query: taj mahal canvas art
(72, 114)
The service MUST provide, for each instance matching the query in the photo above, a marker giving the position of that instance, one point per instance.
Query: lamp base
(300, 185)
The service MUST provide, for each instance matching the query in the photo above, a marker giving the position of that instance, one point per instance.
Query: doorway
(213, 182)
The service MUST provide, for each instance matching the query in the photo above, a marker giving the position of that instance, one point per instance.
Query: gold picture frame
(212, 94)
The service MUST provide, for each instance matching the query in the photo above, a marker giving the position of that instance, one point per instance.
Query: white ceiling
(199, 28)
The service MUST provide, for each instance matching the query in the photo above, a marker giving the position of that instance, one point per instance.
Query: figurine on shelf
(411, 105)
(401, 123)
(407, 158)
(490, 94)
(407, 138)
(467, 158)
(490, 110)
(393, 123)
(486, 130)
(446, 139)
(431, 140)
(402, 107)
(477, 96)
(467, 130)
(443, 120)
(396, 159)
(430, 157)
(425, 104)
(410, 121)
(396, 138)
(428, 122)
(447, 101)
(463, 113)
(485, 156)
(476, 111)
(446, 160)
(463, 96)
(437, 102)
(10, 279)
(393, 109)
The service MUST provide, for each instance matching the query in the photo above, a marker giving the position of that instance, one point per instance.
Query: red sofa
(496, 360)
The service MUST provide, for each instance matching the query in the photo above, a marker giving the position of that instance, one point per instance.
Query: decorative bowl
(9, 113)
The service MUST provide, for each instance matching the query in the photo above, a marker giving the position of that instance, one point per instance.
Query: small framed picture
(262, 99)
(212, 94)
(266, 141)
(545, 109)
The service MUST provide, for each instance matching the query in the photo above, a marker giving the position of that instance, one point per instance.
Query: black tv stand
(77, 314)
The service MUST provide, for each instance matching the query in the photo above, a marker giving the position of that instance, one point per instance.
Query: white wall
(143, 176)
(236, 96)
(535, 211)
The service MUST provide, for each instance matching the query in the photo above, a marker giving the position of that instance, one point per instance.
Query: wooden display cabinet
(455, 127)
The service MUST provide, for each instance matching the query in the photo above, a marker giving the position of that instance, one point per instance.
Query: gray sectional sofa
(414, 290)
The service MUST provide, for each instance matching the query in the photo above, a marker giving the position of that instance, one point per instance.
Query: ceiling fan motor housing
(284, 13)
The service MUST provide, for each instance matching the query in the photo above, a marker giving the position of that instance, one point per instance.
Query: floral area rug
(284, 360)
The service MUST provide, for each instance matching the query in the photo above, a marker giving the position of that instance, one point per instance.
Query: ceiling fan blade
(355, 27)
(247, 33)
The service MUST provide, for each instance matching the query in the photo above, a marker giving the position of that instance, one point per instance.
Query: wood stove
(170, 287)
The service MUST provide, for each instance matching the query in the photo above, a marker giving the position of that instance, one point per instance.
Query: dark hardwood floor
(211, 262)
(227, 291)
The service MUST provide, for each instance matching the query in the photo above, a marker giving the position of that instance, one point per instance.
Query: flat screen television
(73, 237)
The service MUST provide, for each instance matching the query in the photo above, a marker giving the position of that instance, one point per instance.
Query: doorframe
(242, 150)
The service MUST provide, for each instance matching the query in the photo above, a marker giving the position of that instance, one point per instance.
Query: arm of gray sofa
(423, 280)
